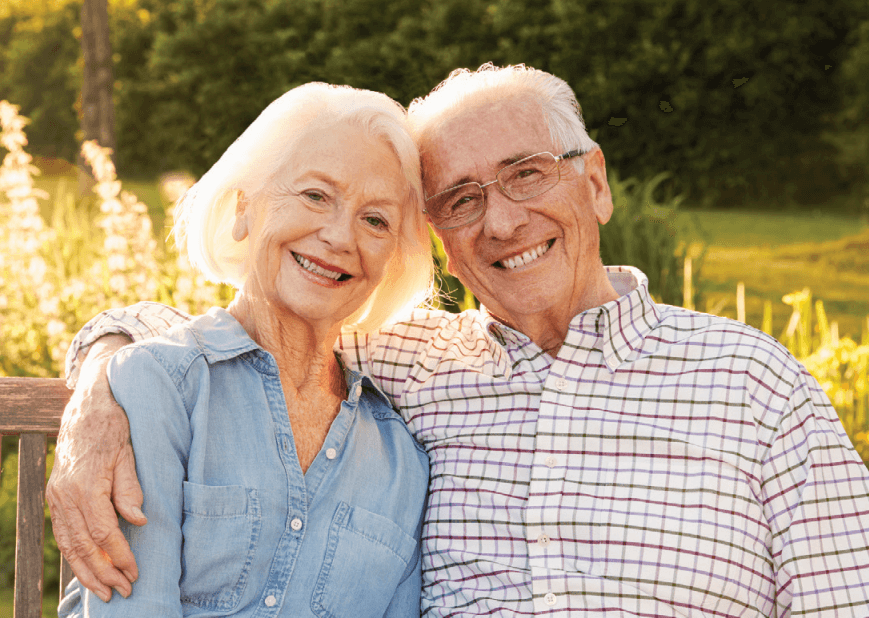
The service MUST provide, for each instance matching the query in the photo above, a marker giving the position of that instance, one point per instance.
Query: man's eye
(462, 202)
(527, 172)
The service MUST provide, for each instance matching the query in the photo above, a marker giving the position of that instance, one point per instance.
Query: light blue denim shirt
(234, 527)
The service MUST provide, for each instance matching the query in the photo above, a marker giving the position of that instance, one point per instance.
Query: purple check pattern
(665, 463)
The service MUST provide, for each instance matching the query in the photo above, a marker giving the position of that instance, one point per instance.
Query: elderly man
(592, 452)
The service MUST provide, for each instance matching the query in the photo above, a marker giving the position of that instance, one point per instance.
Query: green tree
(38, 71)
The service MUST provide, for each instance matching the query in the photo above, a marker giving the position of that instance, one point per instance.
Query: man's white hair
(251, 163)
(464, 88)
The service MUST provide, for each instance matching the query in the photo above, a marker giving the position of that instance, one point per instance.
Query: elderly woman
(278, 483)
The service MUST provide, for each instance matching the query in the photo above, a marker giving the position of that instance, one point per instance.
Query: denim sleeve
(160, 431)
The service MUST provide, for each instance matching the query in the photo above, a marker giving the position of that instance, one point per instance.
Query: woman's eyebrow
(318, 175)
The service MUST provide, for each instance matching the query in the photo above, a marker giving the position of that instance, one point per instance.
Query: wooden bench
(31, 409)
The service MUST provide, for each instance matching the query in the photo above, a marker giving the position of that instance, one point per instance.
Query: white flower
(55, 328)
(36, 271)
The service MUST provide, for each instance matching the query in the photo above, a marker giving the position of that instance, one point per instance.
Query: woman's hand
(94, 466)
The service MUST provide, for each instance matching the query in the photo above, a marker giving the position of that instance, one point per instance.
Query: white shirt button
(358, 390)
(550, 599)
(551, 461)
(543, 540)
(561, 384)
(270, 601)
(296, 524)
(331, 453)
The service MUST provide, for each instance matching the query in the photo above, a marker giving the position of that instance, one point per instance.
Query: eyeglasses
(522, 180)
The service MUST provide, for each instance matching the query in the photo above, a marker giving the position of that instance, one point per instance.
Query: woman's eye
(377, 222)
(314, 196)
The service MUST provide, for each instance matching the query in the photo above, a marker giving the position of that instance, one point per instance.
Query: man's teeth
(317, 270)
(527, 257)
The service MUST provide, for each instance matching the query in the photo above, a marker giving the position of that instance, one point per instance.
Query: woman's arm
(94, 469)
(161, 434)
(406, 601)
(93, 466)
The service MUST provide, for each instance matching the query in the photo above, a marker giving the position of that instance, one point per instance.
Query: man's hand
(94, 467)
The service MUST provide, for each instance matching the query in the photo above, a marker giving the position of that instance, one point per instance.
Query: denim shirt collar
(221, 337)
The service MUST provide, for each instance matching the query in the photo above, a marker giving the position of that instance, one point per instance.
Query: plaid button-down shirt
(665, 463)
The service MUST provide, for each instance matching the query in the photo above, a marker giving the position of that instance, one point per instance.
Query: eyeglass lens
(519, 181)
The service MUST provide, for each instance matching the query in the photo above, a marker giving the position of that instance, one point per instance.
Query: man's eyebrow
(501, 164)
(517, 157)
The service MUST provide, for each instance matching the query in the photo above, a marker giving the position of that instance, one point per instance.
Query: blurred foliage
(642, 232)
(39, 71)
(739, 101)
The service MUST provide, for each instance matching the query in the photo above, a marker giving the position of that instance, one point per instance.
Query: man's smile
(526, 257)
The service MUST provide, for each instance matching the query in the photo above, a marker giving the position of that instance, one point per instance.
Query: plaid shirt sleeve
(814, 490)
(139, 321)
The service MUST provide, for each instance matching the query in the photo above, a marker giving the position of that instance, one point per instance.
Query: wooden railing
(31, 409)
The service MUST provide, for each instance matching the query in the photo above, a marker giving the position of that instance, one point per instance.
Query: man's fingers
(126, 491)
(92, 566)
(64, 544)
(108, 539)
(88, 579)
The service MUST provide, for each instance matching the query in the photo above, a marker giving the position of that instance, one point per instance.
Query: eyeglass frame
(558, 159)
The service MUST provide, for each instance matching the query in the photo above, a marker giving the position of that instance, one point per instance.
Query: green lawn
(775, 254)
(49, 603)
(721, 228)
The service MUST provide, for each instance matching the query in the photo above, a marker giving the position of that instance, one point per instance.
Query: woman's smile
(321, 270)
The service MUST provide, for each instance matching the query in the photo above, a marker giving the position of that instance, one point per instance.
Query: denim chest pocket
(220, 531)
(366, 556)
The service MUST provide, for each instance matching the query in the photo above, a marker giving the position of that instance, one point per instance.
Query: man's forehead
(482, 137)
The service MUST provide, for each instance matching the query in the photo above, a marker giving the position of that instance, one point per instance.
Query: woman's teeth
(317, 270)
(527, 257)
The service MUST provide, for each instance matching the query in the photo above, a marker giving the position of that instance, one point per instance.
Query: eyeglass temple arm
(570, 155)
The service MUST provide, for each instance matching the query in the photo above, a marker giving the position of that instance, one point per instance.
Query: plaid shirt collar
(622, 324)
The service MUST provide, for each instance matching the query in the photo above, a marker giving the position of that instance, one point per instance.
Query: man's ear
(240, 228)
(602, 197)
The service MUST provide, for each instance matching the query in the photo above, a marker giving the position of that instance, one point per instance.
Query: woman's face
(325, 229)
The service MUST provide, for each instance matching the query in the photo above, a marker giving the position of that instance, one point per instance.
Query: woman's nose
(338, 231)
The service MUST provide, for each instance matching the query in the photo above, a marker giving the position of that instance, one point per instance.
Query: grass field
(774, 254)
(49, 603)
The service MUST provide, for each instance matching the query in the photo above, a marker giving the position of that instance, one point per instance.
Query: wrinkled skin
(89, 477)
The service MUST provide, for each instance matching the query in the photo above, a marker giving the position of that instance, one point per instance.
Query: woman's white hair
(251, 163)
(464, 88)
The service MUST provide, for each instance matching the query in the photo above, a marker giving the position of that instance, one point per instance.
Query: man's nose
(503, 215)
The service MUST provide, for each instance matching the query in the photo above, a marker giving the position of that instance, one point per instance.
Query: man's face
(560, 226)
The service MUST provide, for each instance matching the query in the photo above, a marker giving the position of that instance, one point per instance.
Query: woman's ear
(239, 228)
